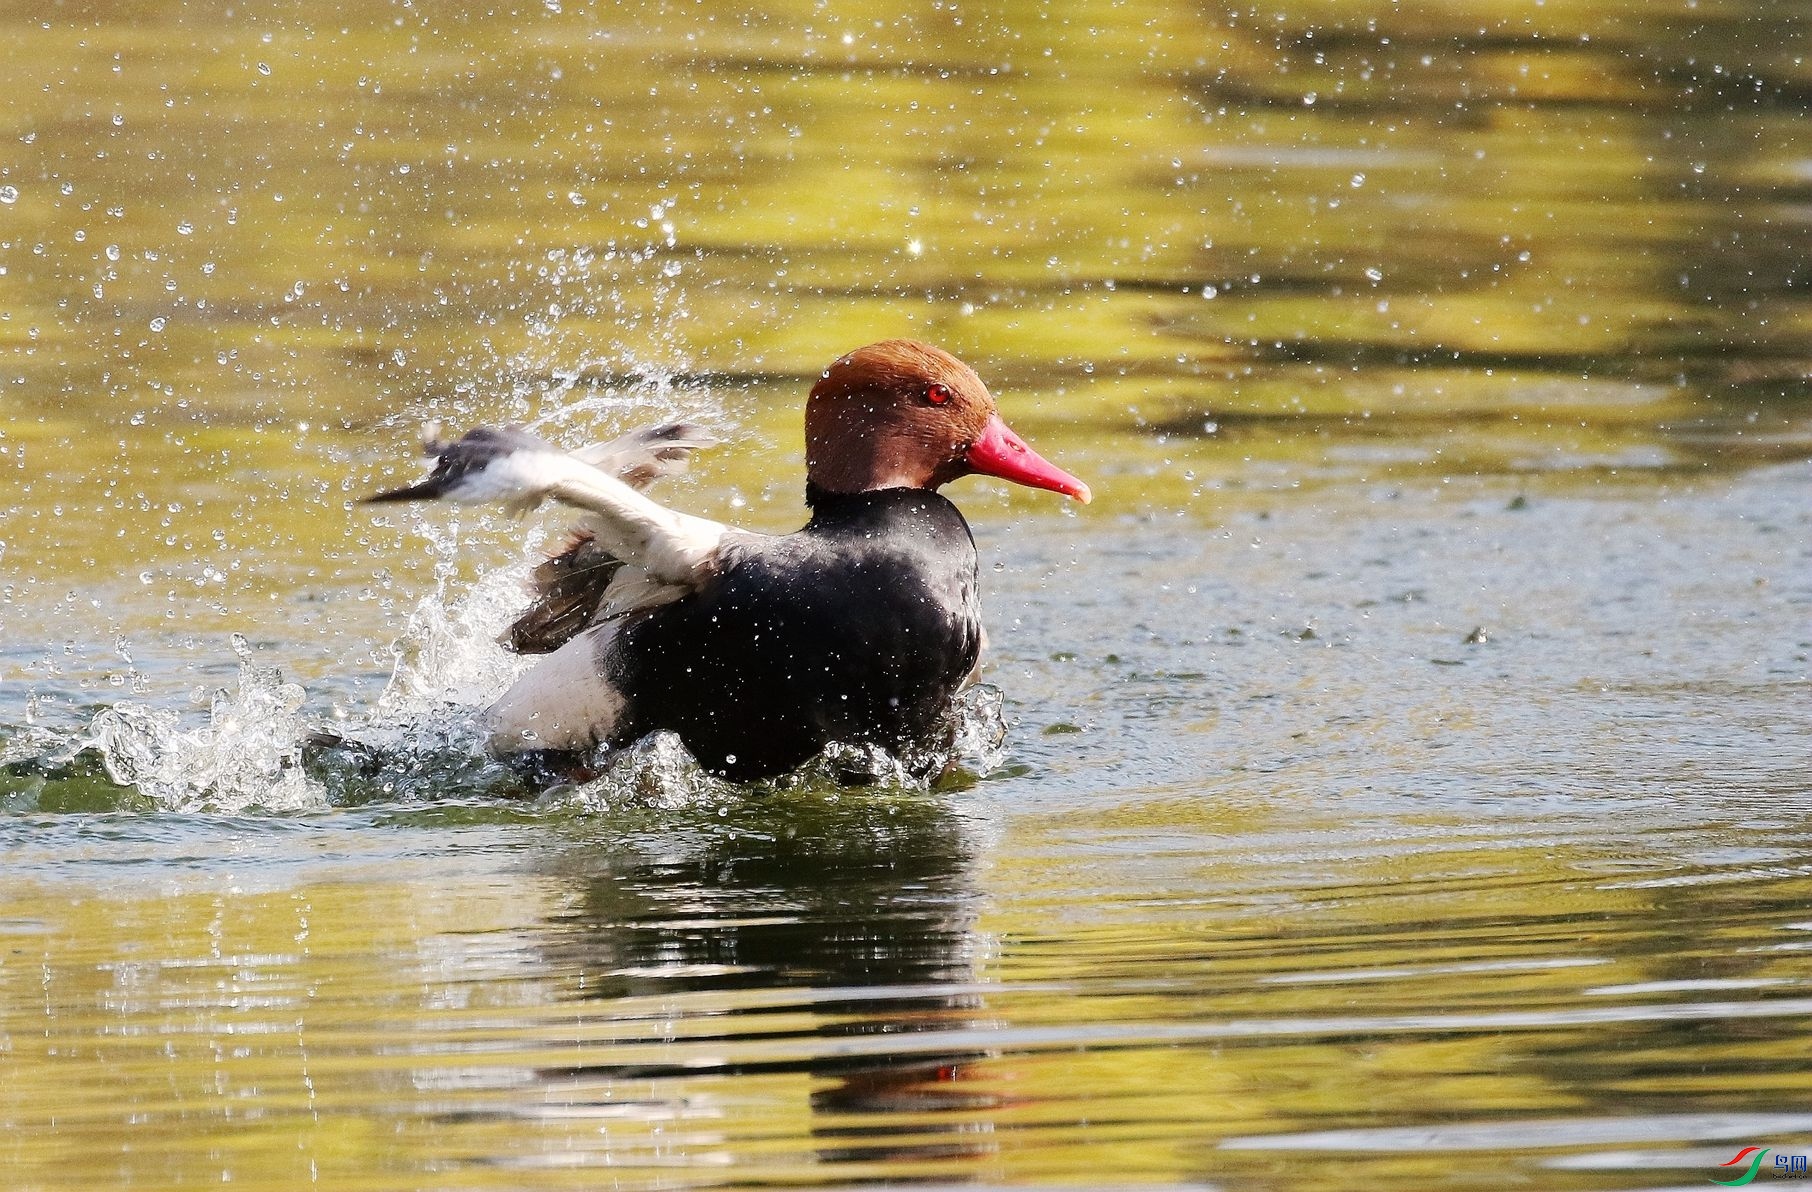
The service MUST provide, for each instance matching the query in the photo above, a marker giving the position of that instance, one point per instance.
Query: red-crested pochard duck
(757, 650)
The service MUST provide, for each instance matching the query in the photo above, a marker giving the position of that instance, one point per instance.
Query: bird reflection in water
(824, 936)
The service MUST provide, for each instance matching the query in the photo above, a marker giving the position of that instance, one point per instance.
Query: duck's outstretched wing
(627, 551)
(641, 457)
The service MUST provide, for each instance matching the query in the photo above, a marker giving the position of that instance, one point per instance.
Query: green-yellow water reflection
(1407, 781)
(703, 1002)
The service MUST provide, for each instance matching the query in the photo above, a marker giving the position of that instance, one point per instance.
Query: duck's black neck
(823, 500)
(884, 511)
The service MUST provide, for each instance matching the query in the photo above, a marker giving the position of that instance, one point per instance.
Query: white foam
(248, 754)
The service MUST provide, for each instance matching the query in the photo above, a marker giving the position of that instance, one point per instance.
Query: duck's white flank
(564, 703)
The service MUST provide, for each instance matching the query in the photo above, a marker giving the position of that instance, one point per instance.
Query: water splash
(424, 738)
(658, 771)
(259, 747)
(980, 741)
(570, 376)
(249, 754)
(424, 741)
(448, 659)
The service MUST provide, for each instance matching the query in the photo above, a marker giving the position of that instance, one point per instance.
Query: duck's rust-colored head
(902, 414)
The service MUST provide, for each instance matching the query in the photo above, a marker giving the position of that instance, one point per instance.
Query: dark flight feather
(569, 586)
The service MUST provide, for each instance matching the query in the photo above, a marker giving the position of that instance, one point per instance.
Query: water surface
(1406, 776)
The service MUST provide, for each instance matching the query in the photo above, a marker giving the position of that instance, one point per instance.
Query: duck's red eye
(938, 393)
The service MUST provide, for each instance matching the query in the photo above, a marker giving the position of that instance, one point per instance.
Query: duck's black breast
(860, 627)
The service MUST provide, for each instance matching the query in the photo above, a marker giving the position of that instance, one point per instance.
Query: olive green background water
(1407, 781)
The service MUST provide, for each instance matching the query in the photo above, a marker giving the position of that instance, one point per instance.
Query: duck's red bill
(1000, 452)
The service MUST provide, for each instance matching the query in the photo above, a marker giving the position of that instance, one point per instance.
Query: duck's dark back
(861, 627)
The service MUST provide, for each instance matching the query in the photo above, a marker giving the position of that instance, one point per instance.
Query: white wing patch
(521, 471)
